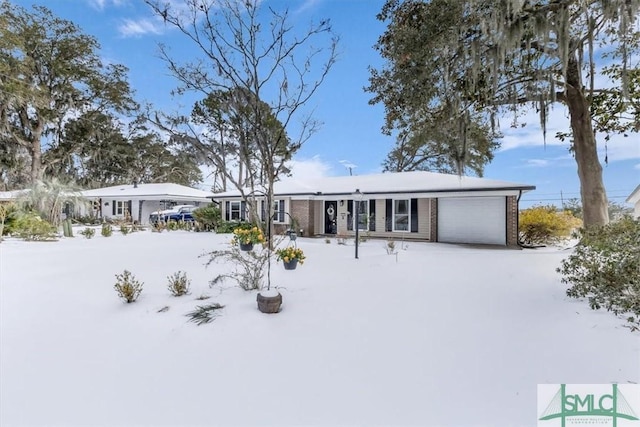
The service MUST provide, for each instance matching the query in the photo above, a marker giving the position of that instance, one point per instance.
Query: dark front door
(330, 217)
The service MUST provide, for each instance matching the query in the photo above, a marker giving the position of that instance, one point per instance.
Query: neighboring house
(11, 196)
(405, 205)
(137, 201)
(634, 199)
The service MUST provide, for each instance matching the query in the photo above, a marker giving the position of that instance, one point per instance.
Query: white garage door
(472, 220)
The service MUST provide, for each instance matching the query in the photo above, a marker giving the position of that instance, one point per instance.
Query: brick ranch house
(409, 205)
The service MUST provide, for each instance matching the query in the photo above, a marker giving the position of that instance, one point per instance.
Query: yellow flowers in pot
(247, 236)
(289, 254)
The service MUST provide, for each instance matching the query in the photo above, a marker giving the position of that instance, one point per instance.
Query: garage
(472, 220)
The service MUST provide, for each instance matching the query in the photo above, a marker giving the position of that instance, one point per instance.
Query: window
(361, 211)
(278, 209)
(401, 211)
(119, 208)
(234, 211)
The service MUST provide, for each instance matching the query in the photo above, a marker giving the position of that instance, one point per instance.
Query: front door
(330, 217)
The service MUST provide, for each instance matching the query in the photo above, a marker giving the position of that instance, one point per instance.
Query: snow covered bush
(178, 284)
(107, 230)
(29, 226)
(88, 232)
(124, 229)
(605, 268)
(6, 211)
(544, 224)
(127, 287)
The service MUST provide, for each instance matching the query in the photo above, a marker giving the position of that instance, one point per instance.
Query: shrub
(342, 239)
(391, 247)
(107, 230)
(605, 268)
(6, 216)
(178, 284)
(88, 220)
(29, 226)
(544, 225)
(159, 227)
(228, 226)
(250, 266)
(127, 287)
(172, 225)
(208, 217)
(124, 229)
(88, 232)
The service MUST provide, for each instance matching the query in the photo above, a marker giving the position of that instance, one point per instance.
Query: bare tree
(267, 70)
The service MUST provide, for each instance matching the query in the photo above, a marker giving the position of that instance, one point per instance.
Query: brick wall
(512, 221)
(433, 218)
(303, 212)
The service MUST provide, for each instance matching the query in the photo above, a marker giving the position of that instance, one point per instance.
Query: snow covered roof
(166, 191)
(6, 196)
(634, 197)
(388, 183)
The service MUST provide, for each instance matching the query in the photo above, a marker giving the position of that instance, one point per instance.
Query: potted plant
(247, 237)
(290, 256)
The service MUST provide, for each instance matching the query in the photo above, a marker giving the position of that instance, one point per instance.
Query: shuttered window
(414, 215)
(372, 215)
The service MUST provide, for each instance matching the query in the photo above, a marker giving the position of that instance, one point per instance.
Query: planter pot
(270, 302)
(246, 246)
(291, 265)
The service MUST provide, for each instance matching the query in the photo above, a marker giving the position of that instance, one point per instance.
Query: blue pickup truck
(176, 213)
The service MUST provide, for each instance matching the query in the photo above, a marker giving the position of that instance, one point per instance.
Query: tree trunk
(37, 171)
(592, 191)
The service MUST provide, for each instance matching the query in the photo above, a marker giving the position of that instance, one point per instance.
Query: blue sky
(129, 34)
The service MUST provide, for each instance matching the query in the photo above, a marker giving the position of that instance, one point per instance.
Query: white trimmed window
(278, 211)
(401, 215)
(120, 205)
(234, 211)
(361, 215)
(279, 215)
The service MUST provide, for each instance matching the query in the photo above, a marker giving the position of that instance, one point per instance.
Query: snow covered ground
(441, 335)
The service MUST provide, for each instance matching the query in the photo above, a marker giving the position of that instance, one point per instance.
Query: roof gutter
(342, 193)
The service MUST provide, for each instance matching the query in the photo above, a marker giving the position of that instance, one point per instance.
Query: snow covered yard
(444, 335)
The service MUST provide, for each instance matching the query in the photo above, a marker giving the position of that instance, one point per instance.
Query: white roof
(389, 183)
(11, 195)
(167, 191)
(634, 197)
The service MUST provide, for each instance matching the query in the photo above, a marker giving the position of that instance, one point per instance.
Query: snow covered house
(405, 205)
(137, 201)
(634, 199)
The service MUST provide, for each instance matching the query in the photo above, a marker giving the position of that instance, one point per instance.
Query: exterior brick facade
(512, 221)
(303, 212)
(433, 220)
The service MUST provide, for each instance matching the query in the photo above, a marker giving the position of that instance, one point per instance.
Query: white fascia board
(420, 195)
